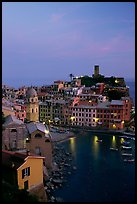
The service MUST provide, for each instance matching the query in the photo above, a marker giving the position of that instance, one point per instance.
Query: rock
(69, 172)
(57, 181)
(74, 167)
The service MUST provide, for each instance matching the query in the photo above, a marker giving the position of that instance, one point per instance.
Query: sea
(102, 175)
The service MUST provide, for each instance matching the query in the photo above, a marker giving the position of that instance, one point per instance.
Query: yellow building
(32, 106)
(24, 171)
(30, 173)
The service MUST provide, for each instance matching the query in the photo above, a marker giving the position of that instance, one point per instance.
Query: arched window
(13, 130)
(47, 140)
(36, 109)
(38, 135)
(32, 100)
(32, 110)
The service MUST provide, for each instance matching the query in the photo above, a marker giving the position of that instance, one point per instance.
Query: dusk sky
(43, 42)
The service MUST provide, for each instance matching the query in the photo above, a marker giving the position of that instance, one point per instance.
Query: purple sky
(43, 42)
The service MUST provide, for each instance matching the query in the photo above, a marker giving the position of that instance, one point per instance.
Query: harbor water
(102, 175)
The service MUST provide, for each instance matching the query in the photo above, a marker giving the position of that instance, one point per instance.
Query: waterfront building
(38, 141)
(52, 111)
(110, 114)
(127, 107)
(83, 115)
(32, 105)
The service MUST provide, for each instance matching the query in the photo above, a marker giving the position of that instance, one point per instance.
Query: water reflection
(113, 141)
(122, 140)
(95, 146)
(72, 141)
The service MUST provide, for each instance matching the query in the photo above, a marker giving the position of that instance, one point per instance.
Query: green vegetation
(11, 193)
(114, 95)
(111, 81)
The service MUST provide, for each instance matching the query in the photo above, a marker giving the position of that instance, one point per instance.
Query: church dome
(31, 93)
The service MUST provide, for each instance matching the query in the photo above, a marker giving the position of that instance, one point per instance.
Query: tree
(11, 193)
(114, 95)
(71, 76)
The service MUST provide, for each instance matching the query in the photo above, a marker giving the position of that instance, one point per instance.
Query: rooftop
(33, 126)
(116, 102)
(31, 92)
(11, 119)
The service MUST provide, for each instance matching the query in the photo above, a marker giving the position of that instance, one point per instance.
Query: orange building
(22, 170)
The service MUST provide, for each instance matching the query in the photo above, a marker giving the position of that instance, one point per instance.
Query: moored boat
(114, 149)
(125, 143)
(98, 140)
(126, 154)
(125, 147)
(129, 160)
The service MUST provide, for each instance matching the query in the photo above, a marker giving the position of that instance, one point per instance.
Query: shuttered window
(26, 172)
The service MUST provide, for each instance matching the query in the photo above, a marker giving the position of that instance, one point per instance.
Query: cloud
(56, 18)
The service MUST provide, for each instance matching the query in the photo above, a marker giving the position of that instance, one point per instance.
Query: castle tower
(32, 105)
(96, 70)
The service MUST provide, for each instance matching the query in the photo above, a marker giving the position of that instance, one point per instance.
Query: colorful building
(22, 170)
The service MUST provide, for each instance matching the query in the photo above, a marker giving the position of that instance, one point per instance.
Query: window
(38, 135)
(26, 172)
(13, 130)
(32, 110)
(47, 140)
(37, 150)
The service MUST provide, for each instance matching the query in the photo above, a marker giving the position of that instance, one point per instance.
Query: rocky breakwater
(63, 167)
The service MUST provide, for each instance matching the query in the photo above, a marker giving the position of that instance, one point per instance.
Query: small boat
(129, 160)
(125, 137)
(114, 149)
(98, 140)
(126, 154)
(125, 143)
(125, 147)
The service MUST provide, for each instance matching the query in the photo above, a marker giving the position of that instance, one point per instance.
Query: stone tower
(96, 70)
(32, 105)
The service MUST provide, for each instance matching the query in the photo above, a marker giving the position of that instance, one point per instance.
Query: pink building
(20, 111)
(83, 115)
